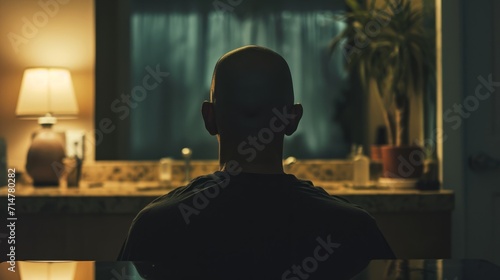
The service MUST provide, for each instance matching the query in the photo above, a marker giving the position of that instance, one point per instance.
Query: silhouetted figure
(251, 220)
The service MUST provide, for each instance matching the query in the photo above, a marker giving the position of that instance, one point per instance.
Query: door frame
(450, 147)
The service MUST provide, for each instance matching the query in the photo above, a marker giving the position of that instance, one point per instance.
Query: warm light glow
(186, 152)
(46, 90)
(439, 86)
(54, 270)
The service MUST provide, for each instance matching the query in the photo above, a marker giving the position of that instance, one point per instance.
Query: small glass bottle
(353, 152)
(165, 174)
(361, 169)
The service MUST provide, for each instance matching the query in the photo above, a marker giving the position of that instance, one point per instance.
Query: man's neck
(268, 161)
(275, 167)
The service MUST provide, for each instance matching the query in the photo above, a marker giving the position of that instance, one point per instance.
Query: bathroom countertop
(131, 197)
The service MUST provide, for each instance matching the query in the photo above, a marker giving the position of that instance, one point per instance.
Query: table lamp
(46, 93)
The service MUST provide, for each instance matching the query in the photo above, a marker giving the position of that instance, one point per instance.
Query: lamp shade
(46, 90)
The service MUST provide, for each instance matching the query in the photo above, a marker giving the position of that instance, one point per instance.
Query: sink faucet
(186, 154)
(289, 161)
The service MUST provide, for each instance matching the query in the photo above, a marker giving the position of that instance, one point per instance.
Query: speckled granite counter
(125, 187)
(129, 198)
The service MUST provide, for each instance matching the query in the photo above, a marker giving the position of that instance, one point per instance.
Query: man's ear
(208, 113)
(296, 110)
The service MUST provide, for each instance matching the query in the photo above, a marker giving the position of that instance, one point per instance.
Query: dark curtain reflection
(186, 40)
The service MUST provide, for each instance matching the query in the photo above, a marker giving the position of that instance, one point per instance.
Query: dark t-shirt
(254, 226)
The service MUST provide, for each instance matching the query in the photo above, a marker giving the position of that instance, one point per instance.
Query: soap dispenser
(361, 169)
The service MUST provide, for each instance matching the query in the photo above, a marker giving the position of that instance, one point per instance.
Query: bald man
(250, 220)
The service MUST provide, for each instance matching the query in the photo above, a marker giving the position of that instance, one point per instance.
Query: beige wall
(65, 39)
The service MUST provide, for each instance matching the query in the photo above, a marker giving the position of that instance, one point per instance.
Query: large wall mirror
(154, 62)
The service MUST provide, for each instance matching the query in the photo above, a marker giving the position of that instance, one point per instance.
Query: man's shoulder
(173, 201)
(301, 194)
(317, 195)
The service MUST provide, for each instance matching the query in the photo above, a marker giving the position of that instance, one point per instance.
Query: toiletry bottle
(353, 152)
(165, 170)
(361, 169)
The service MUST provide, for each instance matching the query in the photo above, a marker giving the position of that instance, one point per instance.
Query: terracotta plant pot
(402, 162)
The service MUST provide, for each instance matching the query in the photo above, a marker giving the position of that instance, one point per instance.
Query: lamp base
(45, 158)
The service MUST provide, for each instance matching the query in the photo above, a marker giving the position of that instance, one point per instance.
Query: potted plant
(386, 44)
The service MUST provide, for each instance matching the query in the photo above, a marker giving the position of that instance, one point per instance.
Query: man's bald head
(251, 108)
(251, 79)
